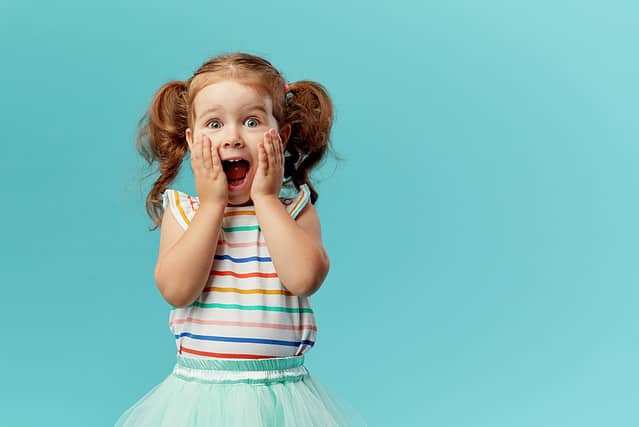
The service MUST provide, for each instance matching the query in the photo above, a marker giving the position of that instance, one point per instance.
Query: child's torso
(244, 310)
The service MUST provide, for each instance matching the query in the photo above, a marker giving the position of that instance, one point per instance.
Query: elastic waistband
(229, 371)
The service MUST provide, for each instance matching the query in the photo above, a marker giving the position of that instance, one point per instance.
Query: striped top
(244, 312)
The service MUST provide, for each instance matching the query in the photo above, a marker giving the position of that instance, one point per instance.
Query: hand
(210, 179)
(270, 166)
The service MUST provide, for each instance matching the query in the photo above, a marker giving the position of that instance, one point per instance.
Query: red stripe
(192, 203)
(243, 275)
(239, 245)
(223, 355)
(242, 324)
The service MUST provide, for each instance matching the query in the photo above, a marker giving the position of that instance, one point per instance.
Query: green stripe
(251, 307)
(247, 381)
(242, 228)
(273, 364)
(300, 207)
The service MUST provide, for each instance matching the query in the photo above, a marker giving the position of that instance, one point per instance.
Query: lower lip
(240, 186)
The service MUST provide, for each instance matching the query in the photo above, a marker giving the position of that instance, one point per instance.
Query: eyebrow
(247, 107)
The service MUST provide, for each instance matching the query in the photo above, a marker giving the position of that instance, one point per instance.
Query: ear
(189, 137)
(285, 133)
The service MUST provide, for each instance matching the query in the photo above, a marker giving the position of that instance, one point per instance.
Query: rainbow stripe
(244, 312)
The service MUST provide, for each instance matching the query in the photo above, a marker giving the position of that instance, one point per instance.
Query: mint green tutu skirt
(232, 392)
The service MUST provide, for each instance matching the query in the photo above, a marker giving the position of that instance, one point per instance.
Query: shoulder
(182, 206)
(304, 213)
(296, 205)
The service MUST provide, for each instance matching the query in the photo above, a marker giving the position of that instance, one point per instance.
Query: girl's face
(235, 116)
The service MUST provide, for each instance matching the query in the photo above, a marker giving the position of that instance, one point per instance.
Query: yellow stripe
(299, 201)
(179, 206)
(249, 291)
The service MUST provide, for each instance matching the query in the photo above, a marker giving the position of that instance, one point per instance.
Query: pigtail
(161, 138)
(310, 114)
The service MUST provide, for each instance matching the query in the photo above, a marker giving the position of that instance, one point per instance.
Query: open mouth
(236, 171)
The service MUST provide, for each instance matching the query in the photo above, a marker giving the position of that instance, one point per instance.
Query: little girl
(238, 262)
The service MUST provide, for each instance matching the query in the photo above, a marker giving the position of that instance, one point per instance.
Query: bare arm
(186, 256)
(295, 245)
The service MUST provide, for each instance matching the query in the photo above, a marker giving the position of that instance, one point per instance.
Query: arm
(295, 246)
(186, 256)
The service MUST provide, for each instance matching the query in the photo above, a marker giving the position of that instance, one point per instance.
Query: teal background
(482, 226)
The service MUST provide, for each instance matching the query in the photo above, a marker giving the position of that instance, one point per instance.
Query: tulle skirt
(232, 392)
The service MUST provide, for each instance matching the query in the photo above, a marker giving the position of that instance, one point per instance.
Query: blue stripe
(245, 340)
(247, 259)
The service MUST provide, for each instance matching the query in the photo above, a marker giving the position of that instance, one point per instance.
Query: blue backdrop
(482, 226)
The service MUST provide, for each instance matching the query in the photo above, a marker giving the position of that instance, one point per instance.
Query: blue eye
(214, 124)
(252, 122)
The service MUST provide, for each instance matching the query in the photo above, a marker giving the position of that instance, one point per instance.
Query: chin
(240, 200)
(242, 194)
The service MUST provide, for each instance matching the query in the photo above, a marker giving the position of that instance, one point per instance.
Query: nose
(233, 143)
(232, 138)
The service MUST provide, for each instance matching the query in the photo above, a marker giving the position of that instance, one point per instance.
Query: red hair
(306, 106)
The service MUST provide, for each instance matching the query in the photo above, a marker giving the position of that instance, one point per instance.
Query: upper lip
(235, 158)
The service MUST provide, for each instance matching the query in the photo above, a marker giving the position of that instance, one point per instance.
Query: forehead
(231, 95)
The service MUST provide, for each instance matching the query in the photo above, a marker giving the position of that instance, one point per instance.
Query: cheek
(208, 132)
(255, 150)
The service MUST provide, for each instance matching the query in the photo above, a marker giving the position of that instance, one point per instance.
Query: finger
(279, 149)
(273, 158)
(277, 143)
(270, 147)
(276, 153)
(262, 165)
(206, 153)
(216, 162)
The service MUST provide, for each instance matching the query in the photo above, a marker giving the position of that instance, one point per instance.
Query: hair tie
(287, 92)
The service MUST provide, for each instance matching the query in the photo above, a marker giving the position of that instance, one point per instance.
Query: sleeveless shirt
(244, 311)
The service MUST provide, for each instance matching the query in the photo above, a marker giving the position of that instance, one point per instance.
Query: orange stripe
(240, 245)
(243, 324)
(195, 206)
(223, 355)
(299, 201)
(249, 291)
(234, 213)
(243, 275)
